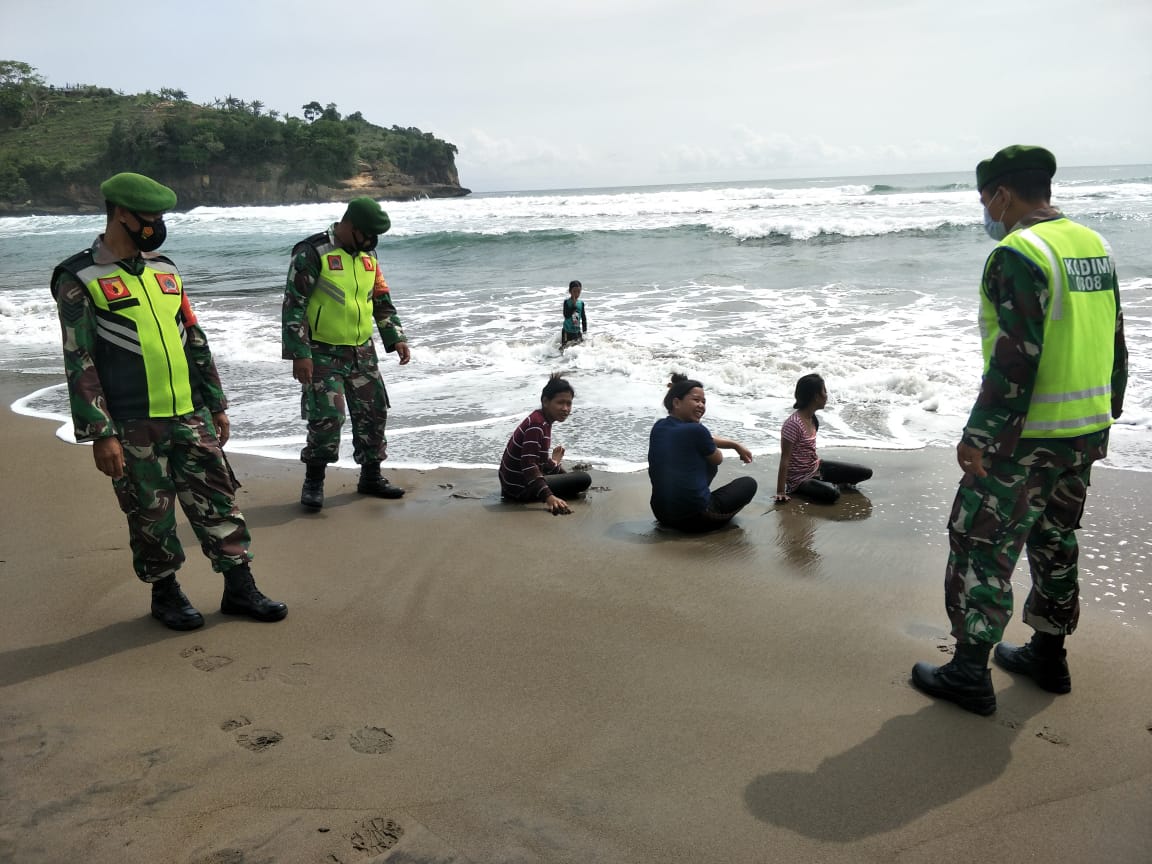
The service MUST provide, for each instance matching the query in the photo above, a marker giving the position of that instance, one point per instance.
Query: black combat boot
(312, 492)
(371, 483)
(1043, 659)
(242, 597)
(964, 680)
(171, 608)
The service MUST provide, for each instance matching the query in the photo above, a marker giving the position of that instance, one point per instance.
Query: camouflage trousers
(993, 518)
(178, 458)
(345, 380)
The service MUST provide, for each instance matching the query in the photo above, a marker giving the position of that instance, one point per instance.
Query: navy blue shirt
(678, 468)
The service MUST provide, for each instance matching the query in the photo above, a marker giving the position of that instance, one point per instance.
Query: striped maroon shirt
(527, 458)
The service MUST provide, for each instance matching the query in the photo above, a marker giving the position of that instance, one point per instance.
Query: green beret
(137, 192)
(365, 215)
(1018, 157)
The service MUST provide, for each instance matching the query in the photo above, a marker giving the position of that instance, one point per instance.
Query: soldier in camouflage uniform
(143, 389)
(334, 293)
(1056, 367)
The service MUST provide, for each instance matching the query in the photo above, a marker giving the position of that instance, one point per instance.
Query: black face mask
(366, 244)
(149, 236)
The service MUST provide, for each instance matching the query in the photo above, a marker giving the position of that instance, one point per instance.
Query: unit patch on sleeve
(168, 283)
(114, 288)
(334, 263)
(186, 311)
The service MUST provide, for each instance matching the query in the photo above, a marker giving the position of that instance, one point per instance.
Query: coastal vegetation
(58, 143)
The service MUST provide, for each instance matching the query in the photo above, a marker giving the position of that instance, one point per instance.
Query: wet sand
(460, 680)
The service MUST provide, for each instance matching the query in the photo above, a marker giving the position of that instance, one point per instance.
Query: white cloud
(611, 92)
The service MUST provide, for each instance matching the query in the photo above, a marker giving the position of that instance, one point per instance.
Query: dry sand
(460, 680)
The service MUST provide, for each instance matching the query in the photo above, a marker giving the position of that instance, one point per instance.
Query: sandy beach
(460, 680)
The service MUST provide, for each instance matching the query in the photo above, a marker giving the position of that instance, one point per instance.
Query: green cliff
(58, 144)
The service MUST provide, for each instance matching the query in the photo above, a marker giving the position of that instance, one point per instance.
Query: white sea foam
(737, 289)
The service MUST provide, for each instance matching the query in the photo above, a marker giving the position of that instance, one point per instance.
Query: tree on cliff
(20, 88)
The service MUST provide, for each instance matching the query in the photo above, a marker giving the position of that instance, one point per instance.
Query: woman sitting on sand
(682, 460)
(802, 472)
(526, 472)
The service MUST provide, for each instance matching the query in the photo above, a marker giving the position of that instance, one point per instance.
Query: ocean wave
(885, 189)
(816, 234)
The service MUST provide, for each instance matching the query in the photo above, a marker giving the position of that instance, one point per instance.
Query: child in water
(526, 472)
(802, 472)
(575, 321)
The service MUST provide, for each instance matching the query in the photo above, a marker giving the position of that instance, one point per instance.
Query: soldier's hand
(403, 353)
(970, 460)
(302, 370)
(109, 456)
(223, 427)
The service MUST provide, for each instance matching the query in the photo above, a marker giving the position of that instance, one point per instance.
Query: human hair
(109, 208)
(1035, 185)
(555, 386)
(807, 389)
(678, 388)
(575, 283)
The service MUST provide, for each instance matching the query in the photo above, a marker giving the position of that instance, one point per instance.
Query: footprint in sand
(371, 740)
(294, 674)
(222, 856)
(204, 661)
(258, 740)
(326, 733)
(237, 722)
(375, 835)
(1050, 736)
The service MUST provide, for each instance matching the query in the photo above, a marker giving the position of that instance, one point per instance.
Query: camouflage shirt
(90, 415)
(302, 275)
(1019, 291)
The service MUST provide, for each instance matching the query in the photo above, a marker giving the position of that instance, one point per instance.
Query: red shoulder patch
(369, 263)
(335, 262)
(186, 311)
(114, 288)
(168, 283)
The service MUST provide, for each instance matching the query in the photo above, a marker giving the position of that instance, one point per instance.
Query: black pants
(723, 504)
(568, 484)
(824, 488)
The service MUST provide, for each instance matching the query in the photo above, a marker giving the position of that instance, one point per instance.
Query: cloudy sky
(553, 94)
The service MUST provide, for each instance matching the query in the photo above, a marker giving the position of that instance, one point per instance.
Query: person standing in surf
(575, 320)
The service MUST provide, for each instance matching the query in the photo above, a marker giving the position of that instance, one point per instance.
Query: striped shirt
(527, 458)
(803, 462)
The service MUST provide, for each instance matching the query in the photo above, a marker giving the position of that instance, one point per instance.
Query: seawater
(870, 281)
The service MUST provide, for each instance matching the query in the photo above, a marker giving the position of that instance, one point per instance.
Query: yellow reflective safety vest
(1073, 389)
(340, 309)
(140, 352)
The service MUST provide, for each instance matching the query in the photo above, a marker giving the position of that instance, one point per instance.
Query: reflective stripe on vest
(1073, 389)
(340, 308)
(140, 339)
